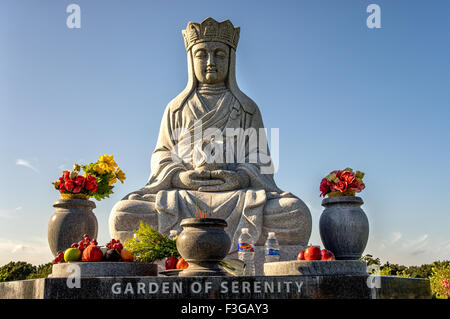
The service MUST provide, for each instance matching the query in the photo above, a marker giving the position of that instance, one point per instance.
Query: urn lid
(64, 203)
(203, 222)
(355, 200)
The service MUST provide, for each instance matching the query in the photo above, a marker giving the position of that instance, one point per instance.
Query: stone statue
(194, 170)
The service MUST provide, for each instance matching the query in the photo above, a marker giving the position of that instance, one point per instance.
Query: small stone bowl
(203, 243)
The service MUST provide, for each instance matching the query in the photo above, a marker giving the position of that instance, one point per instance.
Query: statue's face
(210, 62)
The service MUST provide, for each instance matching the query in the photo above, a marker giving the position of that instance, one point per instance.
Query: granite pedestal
(255, 287)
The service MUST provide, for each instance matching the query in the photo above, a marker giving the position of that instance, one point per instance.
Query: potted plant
(74, 215)
(343, 225)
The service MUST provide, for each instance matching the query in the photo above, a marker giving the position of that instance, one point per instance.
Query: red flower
(94, 189)
(80, 181)
(346, 176)
(361, 186)
(339, 186)
(91, 183)
(62, 186)
(66, 176)
(90, 178)
(76, 189)
(69, 185)
(357, 186)
(324, 187)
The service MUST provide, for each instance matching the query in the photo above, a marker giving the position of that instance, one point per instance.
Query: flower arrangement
(342, 183)
(97, 180)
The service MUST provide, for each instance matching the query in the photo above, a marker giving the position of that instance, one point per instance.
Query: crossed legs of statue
(287, 216)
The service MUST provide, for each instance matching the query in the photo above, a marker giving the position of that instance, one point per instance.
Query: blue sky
(341, 94)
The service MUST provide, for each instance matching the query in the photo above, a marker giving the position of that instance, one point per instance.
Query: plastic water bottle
(272, 248)
(246, 252)
(173, 233)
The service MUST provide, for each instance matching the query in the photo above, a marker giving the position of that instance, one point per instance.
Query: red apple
(313, 253)
(171, 263)
(301, 255)
(327, 255)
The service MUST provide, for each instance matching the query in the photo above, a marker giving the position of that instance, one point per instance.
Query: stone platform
(255, 287)
(103, 269)
(287, 253)
(315, 267)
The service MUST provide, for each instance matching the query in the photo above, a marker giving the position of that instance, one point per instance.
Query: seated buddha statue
(199, 166)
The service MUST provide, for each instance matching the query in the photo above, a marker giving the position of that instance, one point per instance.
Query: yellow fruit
(126, 255)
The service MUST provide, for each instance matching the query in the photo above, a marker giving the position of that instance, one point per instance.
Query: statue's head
(211, 58)
(209, 44)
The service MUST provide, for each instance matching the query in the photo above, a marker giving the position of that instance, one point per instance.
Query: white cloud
(396, 236)
(20, 248)
(417, 250)
(393, 238)
(5, 214)
(22, 162)
(9, 213)
(34, 251)
(416, 246)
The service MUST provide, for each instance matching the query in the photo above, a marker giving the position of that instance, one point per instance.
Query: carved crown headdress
(211, 30)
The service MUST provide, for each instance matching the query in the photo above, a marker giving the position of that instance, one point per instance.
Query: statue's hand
(194, 179)
(231, 180)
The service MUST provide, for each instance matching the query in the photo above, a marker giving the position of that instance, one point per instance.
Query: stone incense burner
(203, 243)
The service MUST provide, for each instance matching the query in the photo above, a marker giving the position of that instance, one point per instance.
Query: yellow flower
(99, 169)
(108, 160)
(113, 180)
(120, 175)
(106, 167)
(348, 169)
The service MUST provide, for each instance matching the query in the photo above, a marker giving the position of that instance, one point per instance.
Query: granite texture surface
(319, 268)
(104, 269)
(256, 287)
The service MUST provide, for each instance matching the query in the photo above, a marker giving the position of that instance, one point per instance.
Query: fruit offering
(92, 253)
(88, 250)
(112, 255)
(72, 254)
(313, 253)
(126, 255)
(59, 258)
(82, 244)
(182, 264)
(115, 244)
(327, 255)
(301, 255)
(171, 263)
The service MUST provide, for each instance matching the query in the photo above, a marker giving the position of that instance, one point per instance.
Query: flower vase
(344, 227)
(72, 219)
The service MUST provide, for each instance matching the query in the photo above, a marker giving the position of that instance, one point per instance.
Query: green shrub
(440, 281)
(16, 271)
(42, 271)
(391, 271)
